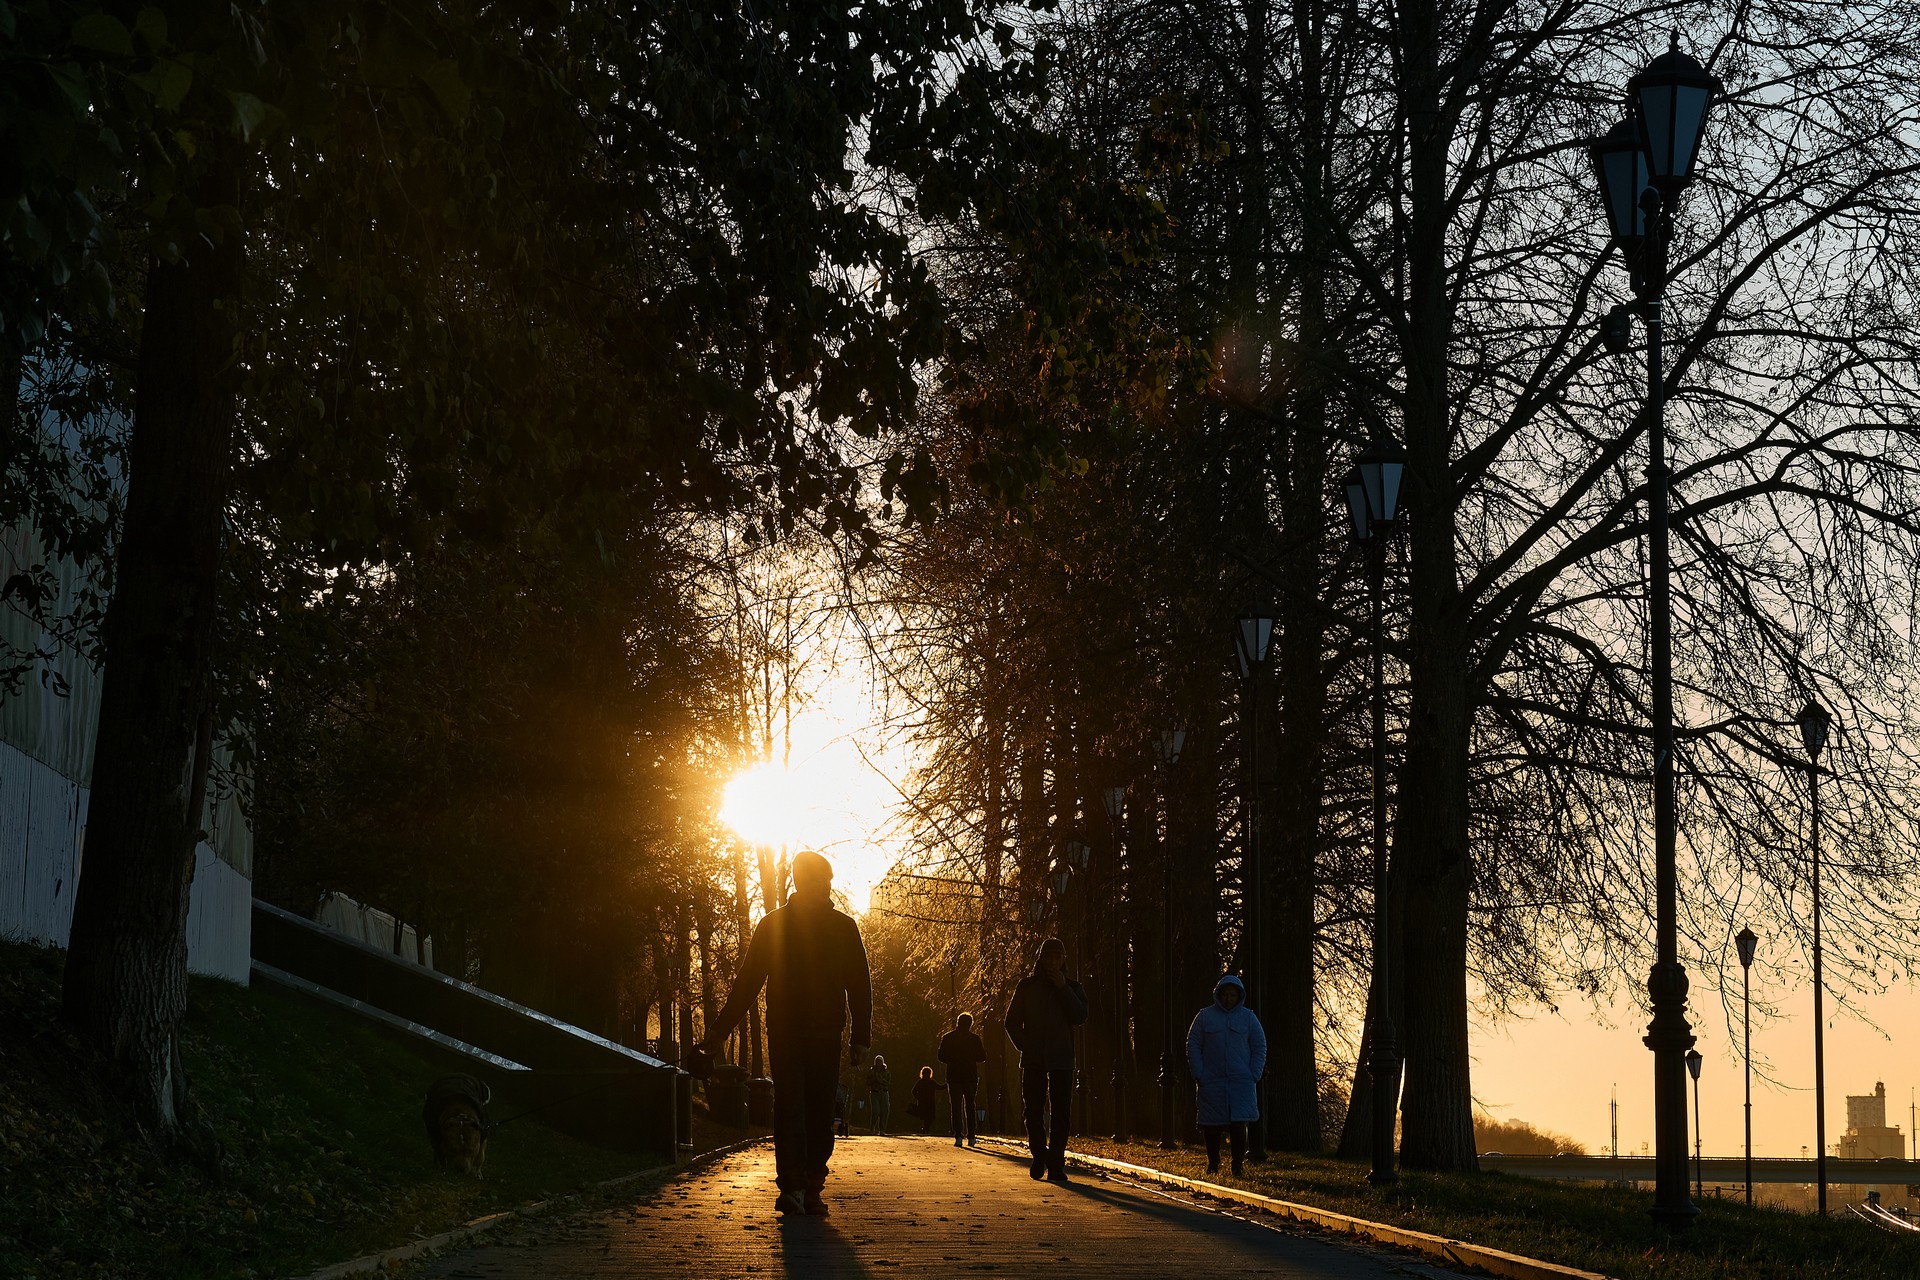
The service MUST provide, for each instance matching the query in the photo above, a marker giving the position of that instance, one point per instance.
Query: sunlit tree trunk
(989, 1020)
(743, 926)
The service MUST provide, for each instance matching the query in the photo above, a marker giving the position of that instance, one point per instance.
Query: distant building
(1867, 1136)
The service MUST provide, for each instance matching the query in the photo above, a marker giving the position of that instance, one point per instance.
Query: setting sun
(833, 799)
(761, 805)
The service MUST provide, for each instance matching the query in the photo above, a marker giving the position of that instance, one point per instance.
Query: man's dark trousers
(960, 1101)
(1049, 1101)
(804, 1076)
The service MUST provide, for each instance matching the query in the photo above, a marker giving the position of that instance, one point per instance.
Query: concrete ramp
(573, 1080)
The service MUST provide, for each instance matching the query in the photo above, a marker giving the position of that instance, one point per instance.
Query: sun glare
(760, 804)
(833, 799)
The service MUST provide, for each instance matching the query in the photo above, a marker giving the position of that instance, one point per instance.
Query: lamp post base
(1670, 1036)
(1384, 1066)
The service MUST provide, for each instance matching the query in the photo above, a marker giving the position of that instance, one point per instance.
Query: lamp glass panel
(1623, 176)
(1655, 100)
(1255, 633)
(1813, 727)
(1115, 800)
(1689, 120)
(1357, 506)
(1612, 157)
(1390, 473)
(1371, 480)
(1179, 741)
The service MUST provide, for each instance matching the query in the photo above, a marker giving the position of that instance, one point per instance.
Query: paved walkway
(913, 1206)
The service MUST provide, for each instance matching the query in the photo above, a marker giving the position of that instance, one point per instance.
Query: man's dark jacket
(963, 1053)
(815, 969)
(1041, 1019)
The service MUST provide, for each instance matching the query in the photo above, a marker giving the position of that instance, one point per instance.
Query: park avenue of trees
(490, 423)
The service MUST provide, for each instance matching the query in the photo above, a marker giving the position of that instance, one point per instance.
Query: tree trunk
(126, 973)
(1437, 1104)
(743, 926)
(1356, 1134)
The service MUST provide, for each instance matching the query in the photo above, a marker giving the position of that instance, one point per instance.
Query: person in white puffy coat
(1227, 1053)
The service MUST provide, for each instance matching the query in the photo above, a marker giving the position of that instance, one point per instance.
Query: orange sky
(1556, 1071)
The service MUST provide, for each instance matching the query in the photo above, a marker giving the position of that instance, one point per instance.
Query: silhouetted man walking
(815, 969)
(1047, 1006)
(963, 1053)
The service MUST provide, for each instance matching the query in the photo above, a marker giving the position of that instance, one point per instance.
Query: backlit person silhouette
(814, 965)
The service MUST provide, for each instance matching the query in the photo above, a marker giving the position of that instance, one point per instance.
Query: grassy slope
(324, 1153)
(1592, 1227)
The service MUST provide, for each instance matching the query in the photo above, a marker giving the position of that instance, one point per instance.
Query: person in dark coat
(962, 1052)
(1227, 1052)
(879, 1095)
(1047, 1005)
(923, 1090)
(814, 966)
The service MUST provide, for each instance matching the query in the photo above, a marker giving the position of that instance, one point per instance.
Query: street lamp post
(1373, 501)
(1114, 800)
(1694, 1062)
(1252, 636)
(1747, 940)
(1166, 751)
(1814, 723)
(1643, 165)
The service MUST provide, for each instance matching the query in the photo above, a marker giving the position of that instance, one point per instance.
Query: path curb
(480, 1226)
(1498, 1262)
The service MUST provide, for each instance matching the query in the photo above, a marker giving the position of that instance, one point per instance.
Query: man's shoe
(791, 1202)
(1037, 1169)
(956, 1142)
(1058, 1175)
(1238, 1170)
(973, 1142)
(817, 1205)
(1213, 1166)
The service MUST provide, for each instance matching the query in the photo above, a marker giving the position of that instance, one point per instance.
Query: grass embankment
(323, 1153)
(1592, 1227)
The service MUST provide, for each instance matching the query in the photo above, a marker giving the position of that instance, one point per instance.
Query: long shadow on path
(908, 1206)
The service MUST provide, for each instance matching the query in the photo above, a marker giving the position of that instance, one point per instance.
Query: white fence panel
(15, 769)
(219, 919)
(53, 810)
(43, 818)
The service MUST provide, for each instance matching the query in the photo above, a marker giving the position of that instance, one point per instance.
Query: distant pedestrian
(1047, 1005)
(1227, 1052)
(814, 966)
(880, 1093)
(962, 1052)
(923, 1091)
